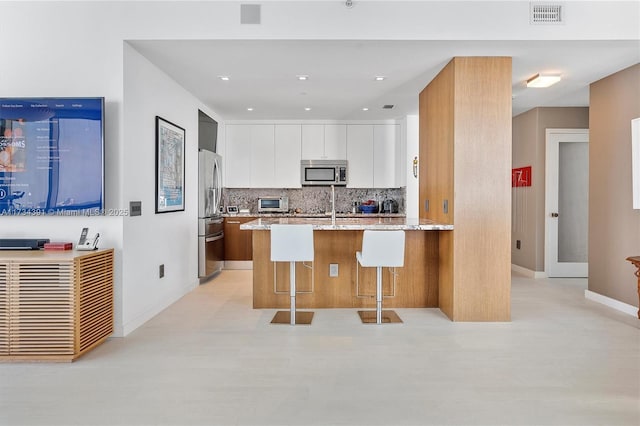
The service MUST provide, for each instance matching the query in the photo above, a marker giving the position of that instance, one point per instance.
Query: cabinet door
(312, 141)
(238, 244)
(262, 156)
(287, 155)
(384, 155)
(237, 159)
(360, 155)
(335, 141)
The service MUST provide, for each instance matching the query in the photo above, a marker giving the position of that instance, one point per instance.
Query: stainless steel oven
(210, 246)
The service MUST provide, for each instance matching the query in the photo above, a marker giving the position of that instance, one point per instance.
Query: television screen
(51, 156)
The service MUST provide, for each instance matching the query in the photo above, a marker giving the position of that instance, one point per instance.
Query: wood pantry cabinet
(238, 244)
(54, 306)
(465, 151)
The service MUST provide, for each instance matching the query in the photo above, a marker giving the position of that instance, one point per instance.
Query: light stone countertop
(314, 215)
(350, 223)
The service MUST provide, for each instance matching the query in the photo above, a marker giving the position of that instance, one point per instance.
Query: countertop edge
(353, 224)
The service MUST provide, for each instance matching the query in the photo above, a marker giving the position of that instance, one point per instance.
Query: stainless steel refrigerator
(210, 222)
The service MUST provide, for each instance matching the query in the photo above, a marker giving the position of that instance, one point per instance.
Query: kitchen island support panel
(416, 282)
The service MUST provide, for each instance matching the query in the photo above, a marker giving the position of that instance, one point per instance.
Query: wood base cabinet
(237, 243)
(54, 306)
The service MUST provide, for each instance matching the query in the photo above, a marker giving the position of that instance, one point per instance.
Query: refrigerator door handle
(218, 186)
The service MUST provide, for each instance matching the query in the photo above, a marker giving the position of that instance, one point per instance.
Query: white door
(567, 202)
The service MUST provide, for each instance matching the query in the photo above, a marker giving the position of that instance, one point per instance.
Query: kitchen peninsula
(335, 243)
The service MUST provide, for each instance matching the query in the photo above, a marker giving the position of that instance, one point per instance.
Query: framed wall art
(170, 144)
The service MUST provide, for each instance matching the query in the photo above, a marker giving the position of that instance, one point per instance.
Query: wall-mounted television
(51, 156)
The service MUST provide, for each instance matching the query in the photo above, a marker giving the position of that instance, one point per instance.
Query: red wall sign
(521, 176)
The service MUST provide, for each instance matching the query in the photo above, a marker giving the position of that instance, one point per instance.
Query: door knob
(554, 215)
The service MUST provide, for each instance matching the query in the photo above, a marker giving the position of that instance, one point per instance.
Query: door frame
(551, 193)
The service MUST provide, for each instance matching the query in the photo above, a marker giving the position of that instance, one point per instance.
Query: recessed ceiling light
(302, 77)
(250, 109)
(365, 109)
(307, 109)
(543, 80)
(380, 77)
(223, 77)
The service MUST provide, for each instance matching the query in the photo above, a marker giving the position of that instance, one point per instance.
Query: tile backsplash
(314, 199)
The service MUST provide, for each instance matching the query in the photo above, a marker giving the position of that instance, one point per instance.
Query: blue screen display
(51, 156)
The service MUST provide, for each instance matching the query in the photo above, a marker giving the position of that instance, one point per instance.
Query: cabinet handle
(233, 221)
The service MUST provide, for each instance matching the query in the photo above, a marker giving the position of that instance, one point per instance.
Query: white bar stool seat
(381, 249)
(292, 243)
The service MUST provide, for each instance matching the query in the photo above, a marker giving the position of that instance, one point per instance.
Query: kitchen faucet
(333, 204)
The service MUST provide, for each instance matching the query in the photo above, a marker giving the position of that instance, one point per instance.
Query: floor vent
(387, 106)
(545, 13)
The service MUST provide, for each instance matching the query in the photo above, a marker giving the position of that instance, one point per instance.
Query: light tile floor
(210, 359)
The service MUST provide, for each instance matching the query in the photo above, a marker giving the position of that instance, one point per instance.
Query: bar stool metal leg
(379, 295)
(292, 291)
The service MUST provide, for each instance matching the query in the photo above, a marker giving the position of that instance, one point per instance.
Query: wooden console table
(54, 305)
(636, 262)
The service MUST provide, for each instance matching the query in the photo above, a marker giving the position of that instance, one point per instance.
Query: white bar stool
(292, 243)
(380, 249)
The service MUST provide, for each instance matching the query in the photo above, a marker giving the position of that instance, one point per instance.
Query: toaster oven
(273, 205)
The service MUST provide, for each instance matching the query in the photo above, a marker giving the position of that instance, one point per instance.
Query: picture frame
(170, 161)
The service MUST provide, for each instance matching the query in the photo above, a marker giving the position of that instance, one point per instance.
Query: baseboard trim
(158, 307)
(238, 264)
(612, 303)
(528, 272)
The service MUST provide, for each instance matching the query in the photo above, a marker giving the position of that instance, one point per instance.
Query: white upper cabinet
(287, 155)
(324, 141)
(335, 142)
(360, 156)
(312, 141)
(371, 152)
(263, 170)
(268, 155)
(237, 158)
(385, 145)
(249, 156)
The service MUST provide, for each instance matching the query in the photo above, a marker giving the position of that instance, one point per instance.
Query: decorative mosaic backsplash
(315, 199)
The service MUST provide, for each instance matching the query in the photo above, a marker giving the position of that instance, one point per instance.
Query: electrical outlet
(161, 271)
(333, 269)
(518, 244)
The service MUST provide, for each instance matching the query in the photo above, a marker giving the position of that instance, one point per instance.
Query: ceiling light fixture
(543, 80)
(250, 109)
(307, 109)
(380, 77)
(365, 109)
(223, 78)
(303, 77)
(348, 4)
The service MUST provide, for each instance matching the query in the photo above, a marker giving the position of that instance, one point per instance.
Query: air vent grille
(387, 106)
(544, 13)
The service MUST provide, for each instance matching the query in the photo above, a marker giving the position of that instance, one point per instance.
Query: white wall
(153, 239)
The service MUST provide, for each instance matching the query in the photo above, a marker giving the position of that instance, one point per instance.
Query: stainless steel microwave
(323, 172)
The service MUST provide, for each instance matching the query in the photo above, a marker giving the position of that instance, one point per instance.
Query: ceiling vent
(546, 13)
(249, 13)
(387, 106)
